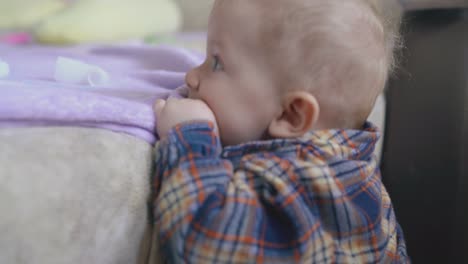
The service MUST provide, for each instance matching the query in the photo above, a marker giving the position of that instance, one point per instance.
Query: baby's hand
(176, 111)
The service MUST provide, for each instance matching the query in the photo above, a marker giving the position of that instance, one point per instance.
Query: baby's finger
(159, 105)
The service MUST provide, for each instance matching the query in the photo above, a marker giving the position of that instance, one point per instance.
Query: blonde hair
(343, 53)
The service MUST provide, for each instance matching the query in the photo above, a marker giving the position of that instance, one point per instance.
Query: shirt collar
(333, 143)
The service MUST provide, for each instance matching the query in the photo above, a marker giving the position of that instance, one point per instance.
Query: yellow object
(109, 20)
(22, 14)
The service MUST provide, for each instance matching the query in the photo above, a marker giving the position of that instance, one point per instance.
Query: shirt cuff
(197, 138)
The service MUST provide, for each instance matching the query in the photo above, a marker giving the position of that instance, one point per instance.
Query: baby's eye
(217, 65)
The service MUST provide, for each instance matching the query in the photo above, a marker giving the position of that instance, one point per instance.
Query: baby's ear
(299, 115)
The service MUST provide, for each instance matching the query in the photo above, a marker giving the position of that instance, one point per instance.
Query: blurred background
(424, 110)
(425, 159)
(80, 21)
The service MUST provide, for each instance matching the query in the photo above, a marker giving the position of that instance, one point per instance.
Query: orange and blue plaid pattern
(315, 199)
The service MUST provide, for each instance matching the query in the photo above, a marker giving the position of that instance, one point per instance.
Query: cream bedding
(72, 195)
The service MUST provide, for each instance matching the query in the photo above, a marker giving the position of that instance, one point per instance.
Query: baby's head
(279, 68)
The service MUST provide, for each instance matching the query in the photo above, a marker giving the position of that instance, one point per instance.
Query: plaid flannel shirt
(315, 199)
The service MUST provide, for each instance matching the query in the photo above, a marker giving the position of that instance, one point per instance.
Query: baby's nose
(192, 80)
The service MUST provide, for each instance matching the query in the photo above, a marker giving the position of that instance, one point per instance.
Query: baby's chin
(226, 140)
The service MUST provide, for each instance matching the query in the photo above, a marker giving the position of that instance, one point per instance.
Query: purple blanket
(139, 75)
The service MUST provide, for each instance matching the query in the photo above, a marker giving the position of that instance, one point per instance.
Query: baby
(270, 160)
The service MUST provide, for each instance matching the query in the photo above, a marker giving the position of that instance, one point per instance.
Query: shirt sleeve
(205, 212)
